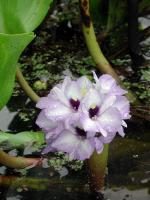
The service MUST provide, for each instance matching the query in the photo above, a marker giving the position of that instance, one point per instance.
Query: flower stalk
(97, 168)
(18, 162)
(100, 60)
(25, 86)
(97, 163)
(91, 41)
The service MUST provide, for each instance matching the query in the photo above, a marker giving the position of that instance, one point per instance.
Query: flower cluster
(79, 116)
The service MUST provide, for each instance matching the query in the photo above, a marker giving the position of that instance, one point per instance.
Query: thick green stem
(25, 86)
(94, 49)
(91, 41)
(97, 163)
(97, 168)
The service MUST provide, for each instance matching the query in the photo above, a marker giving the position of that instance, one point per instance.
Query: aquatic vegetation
(79, 116)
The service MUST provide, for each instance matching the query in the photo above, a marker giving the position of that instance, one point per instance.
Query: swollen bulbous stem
(97, 167)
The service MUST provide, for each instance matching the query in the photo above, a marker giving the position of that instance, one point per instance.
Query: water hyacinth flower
(64, 100)
(79, 116)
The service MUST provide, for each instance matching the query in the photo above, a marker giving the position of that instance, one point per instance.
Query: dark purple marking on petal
(93, 112)
(98, 134)
(80, 132)
(75, 104)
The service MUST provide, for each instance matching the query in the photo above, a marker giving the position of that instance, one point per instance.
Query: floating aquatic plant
(79, 116)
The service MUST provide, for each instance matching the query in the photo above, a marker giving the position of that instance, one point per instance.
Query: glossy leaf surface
(11, 46)
(20, 16)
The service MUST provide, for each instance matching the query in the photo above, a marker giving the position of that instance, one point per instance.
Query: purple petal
(53, 133)
(73, 91)
(67, 81)
(98, 145)
(121, 131)
(76, 147)
(107, 103)
(48, 149)
(71, 120)
(89, 124)
(59, 95)
(117, 90)
(108, 139)
(122, 104)
(106, 83)
(57, 111)
(44, 123)
(124, 123)
(66, 142)
(90, 134)
(110, 120)
(84, 84)
(84, 150)
(43, 102)
(92, 99)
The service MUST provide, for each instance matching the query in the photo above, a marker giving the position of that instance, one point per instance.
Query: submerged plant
(79, 117)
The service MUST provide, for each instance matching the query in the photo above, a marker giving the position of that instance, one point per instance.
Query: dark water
(128, 176)
(128, 167)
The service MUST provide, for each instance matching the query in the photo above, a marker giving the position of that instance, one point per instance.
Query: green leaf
(21, 140)
(16, 18)
(20, 16)
(11, 46)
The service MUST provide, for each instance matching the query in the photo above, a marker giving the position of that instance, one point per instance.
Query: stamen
(93, 112)
(75, 104)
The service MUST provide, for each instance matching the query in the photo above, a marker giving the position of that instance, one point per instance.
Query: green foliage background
(17, 21)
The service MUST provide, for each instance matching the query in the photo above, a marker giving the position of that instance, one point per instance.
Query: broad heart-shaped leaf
(11, 46)
(22, 16)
